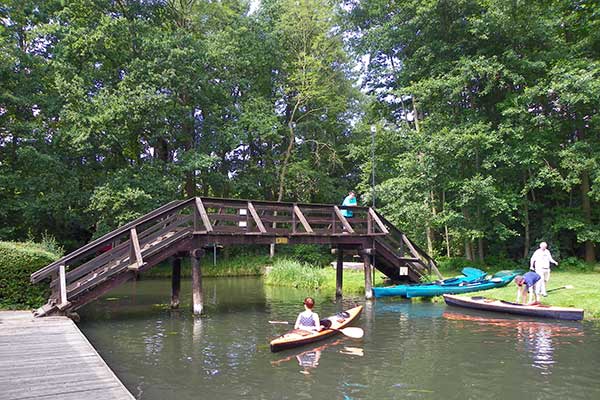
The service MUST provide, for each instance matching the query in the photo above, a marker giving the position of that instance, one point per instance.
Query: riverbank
(235, 266)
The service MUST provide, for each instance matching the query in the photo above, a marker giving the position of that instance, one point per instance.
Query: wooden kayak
(297, 337)
(541, 311)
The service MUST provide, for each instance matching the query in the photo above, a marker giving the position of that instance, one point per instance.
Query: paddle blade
(279, 322)
(353, 332)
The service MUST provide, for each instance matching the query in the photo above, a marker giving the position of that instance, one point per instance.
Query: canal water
(409, 351)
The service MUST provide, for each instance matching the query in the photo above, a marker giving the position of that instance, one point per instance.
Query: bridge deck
(49, 358)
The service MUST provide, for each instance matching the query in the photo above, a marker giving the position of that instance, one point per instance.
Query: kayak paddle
(353, 332)
(562, 287)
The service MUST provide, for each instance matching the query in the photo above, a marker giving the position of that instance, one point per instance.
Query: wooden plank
(225, 218)
(94, 245)
(339, 273)
(278, 218)
(87, 284)
(368, 277)
(256, 218)
(52, 368)
(302, 219)
(418, 254)
(134, 250)
(63, 286)
(343, 219)
(378, 221)
(203, 215)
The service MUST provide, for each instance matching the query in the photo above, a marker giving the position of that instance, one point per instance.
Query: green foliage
(486, 115)
(292, 273)
(17, 262)
(288, 272)
(307, 253)
(246, 265)
(453, 265)
(574, 264)
(490, 110)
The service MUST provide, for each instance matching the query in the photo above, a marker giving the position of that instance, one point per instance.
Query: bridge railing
(396, 239)
(278, 218)
(127, 247)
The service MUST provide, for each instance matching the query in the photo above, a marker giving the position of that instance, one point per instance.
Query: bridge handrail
(175, 205)
(160, 212)
(421, 252)
(282, 203)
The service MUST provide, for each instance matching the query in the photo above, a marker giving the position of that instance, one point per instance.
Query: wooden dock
(49, 358)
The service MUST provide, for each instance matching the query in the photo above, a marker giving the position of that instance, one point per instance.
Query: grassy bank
(291, 273)
(238, 266)
(585, 293)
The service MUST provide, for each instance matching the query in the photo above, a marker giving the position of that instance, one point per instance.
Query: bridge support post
(339, 273)
(368, 275)
(197, 281)
(175, 282)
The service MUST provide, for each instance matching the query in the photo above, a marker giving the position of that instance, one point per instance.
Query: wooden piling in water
(175, 282)
(197, 281)
(368, 281)
(339, 273)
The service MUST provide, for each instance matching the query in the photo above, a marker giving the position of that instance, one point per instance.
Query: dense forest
(484, 114)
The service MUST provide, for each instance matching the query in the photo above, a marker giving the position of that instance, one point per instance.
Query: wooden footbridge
(186, 227)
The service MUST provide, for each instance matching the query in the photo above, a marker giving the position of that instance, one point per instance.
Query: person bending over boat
(528, 283)
(308, 320)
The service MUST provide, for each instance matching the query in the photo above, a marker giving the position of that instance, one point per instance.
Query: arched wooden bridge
(187, 226)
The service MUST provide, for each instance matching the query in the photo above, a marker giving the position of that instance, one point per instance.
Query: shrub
(17, 262)
(490, 264)
(573, 264)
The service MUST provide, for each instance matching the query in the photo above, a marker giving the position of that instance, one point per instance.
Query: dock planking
(49, 358)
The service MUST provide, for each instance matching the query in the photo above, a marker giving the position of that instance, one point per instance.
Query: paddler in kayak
(528, 283)
(308, 320)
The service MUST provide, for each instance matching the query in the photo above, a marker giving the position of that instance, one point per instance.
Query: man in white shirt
(540, 263)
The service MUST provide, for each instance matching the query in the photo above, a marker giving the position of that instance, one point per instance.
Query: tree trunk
(446, 235)
(480, 248)
(284, 165)
(527, 243)
(428, 233)
(468, 250)
(590, 250)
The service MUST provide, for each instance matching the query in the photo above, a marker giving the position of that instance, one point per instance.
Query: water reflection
(537, 339)
(308, 359)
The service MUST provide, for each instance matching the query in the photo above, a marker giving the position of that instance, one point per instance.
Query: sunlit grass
(291, 273)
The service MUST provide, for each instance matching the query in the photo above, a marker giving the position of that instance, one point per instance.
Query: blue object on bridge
(348, 201)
